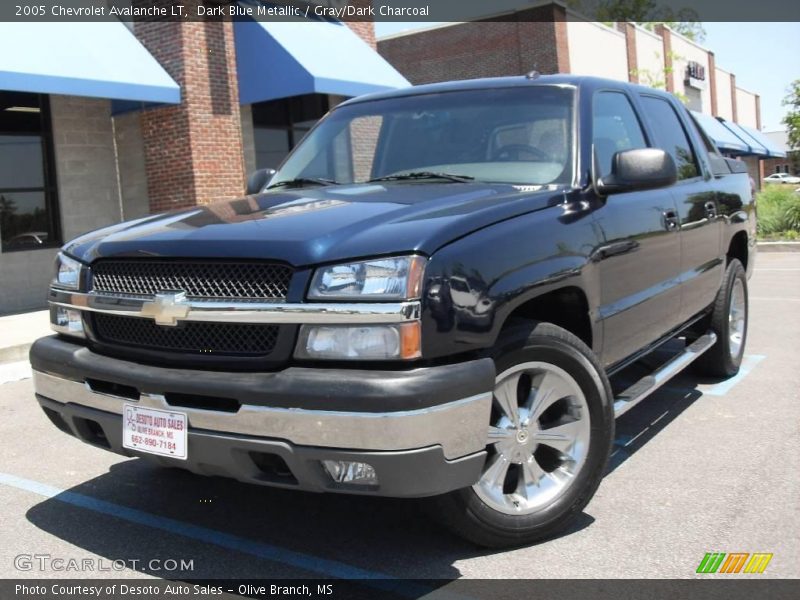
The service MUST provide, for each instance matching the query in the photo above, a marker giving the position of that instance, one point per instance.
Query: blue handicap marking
(748, 364)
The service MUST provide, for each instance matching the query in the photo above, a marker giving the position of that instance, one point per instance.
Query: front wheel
(550, 434)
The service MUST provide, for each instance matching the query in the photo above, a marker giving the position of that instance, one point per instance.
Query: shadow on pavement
(385, 536)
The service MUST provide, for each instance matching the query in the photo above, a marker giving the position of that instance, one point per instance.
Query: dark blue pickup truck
(428, 298)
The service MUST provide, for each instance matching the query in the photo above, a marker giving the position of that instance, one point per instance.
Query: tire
(729, 320)
(517, 508)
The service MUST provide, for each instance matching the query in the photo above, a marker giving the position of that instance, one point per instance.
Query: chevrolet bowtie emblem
(166, 309)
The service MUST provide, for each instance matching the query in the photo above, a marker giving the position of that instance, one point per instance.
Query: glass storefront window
(28, 197)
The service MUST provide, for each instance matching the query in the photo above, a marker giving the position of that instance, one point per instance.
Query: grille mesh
(249, 281)
(189, 337)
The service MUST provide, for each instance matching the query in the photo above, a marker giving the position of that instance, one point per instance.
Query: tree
(647, 13)
(792, 117)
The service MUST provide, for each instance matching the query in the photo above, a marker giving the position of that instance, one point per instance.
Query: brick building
(551, 38)
(788, 164)
(113, 121)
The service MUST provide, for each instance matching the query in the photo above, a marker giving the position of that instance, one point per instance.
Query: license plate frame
(155, 431)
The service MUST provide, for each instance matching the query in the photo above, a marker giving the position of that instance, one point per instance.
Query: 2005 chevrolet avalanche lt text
(427, 298)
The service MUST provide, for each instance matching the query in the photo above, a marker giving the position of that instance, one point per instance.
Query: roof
(506, 82)
(780, 138)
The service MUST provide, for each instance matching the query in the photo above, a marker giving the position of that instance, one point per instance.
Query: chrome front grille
(217, 280)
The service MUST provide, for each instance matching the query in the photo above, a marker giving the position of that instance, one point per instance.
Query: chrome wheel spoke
(550, 388)
(499, 434)
(561, 437)
(532, 475)
(495, 474)
(506, 396)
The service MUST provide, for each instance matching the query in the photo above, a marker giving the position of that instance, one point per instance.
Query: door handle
(711, 209)
(671, 222)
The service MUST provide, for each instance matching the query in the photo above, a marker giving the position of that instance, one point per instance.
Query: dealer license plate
(154, 431)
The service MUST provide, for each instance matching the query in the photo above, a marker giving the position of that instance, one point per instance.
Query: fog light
(67, 321)
(355, 473)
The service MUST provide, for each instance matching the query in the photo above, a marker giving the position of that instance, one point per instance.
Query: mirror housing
(639, 169)
(258, 180)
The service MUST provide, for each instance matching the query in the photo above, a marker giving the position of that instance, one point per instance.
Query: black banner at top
(401, 10)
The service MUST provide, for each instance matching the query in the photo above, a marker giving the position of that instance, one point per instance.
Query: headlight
(67, 272)
(397, 278)
(359, 342)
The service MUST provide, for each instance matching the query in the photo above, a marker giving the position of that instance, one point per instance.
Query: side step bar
(650, 383)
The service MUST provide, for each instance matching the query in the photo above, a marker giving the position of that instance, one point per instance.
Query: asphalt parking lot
(698, 467)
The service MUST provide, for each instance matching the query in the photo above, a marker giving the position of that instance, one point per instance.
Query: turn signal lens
(359, 342)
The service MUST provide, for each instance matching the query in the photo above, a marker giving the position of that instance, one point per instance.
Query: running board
(650, 383)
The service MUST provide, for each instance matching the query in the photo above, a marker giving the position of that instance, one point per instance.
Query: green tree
(792, 118)
(647, 13)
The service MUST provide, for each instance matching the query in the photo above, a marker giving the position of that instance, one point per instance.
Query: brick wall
(531, 39)
(630, 50)
(366, 28)
(666, 37)
(193, 151)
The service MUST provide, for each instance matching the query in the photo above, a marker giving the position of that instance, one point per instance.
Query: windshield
(520, 135)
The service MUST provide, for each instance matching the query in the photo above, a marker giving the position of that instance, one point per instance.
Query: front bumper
(423, 430)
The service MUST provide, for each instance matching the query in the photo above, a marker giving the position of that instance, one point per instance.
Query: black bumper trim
(334, 389)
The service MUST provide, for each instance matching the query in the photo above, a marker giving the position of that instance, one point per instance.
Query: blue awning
(753, 145)
(283, 59)
(98, 59)
(771, 147)
(723, 137)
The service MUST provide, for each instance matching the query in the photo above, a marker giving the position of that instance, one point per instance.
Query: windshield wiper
(301, 181)
(424, 175)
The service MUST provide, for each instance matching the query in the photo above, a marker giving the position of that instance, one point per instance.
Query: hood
(322, 224)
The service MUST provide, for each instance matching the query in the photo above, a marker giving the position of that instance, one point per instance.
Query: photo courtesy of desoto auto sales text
(399, 299)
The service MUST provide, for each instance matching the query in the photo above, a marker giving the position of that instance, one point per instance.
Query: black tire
(720, 360)
(467, 515)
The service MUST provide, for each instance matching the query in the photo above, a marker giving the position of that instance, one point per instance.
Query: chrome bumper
(459, 427)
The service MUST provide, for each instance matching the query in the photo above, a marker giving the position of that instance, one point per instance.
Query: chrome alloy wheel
(737, 318)
(538, 440)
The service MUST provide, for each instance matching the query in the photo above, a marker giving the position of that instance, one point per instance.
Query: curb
(16, 353)
(779, 246)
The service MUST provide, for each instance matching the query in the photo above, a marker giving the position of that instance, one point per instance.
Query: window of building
(28, 194)
(671, 135)
(615, 128)
(279, 125)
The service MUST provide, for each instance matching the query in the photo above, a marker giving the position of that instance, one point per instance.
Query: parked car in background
(782, 178)
(28, 240)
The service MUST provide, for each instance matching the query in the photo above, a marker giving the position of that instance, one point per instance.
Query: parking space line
(748, 364)
(307, 562)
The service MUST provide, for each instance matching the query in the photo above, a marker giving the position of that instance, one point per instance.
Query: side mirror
(259, 179)
(639, 169)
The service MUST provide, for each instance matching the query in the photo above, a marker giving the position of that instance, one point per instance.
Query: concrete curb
(779, 246)
(10, 354)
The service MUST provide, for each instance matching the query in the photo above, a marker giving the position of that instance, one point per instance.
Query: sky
(765, 57)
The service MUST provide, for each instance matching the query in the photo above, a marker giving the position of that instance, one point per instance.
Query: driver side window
(614, 128)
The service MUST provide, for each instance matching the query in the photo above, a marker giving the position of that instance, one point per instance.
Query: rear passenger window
(671, 135)
(615, 128)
